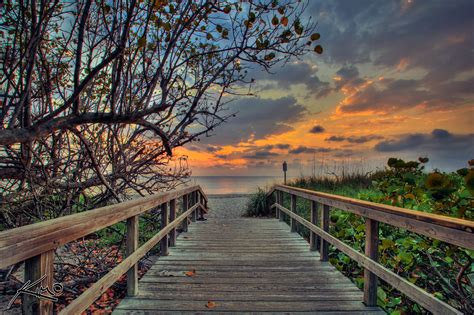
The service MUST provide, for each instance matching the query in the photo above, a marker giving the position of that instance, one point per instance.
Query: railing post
(314, 238)
(293, 209)
(172, 218)
(281, 203)
(35, 268)
(193, 202)
(132, 245)
(277, 211)
(371, 251)
(164, 223)
(324, 247)
(201, 201)
(185, 208)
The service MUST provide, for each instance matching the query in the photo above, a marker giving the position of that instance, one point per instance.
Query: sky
(396, 79)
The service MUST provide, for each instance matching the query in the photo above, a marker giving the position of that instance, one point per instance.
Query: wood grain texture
(185, 205)
(451, 230)
(95, 291)
(324, 246)
(164, 222)
(172, 216)
(371, 251)
(35, 268)
(293, 209)
(314, 241)
(31, 240)
(415, 293)
(132, 245)
(245, 265)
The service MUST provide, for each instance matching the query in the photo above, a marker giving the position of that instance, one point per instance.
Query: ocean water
(217, 185)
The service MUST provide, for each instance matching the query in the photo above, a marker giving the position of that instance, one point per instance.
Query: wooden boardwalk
(243, 265)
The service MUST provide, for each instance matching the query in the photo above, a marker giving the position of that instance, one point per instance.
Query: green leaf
(386, 243)
(381, 295)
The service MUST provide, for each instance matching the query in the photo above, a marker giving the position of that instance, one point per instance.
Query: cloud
(431, 38)
(259, 155)
(354, 139)
(427, 33)
(391, 95)
(347, 78)
(449, 150)
(303, 149)
(281, 146)
(258, 118)
(213, 149)
(291, 74)
(317, 129)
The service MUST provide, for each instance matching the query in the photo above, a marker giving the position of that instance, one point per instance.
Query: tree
(96, 94)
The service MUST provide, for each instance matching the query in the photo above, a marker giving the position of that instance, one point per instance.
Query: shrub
(444, 270)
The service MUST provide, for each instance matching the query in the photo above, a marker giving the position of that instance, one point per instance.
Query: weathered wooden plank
(230, 273)
(185, 205)
(278, 200)
(266, 306)
(314, 239)
(415, 293)
(253, 273)
(91, 294)
(27, 241)
(448, 229)
(151, 312)
(172, 217)
(293, 209)
(132, 245)
(371, 251)
(193, 201)
(164, 251)
(36, 268)
(324, 246)
(245, 296)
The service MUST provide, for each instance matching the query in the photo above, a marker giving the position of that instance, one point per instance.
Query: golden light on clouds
(384, 81)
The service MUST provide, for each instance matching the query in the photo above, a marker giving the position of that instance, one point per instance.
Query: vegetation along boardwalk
(243, 265)
(230, 264)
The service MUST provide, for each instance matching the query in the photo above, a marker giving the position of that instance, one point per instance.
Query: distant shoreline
(230, 195)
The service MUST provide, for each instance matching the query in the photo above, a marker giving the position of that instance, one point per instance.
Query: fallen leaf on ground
(211, 304)
(190, 273)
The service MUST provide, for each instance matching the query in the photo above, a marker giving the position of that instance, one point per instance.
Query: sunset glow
(376, 87)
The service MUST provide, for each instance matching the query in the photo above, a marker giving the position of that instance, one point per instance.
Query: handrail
(35, 243)
(21, 243)
(452, 230)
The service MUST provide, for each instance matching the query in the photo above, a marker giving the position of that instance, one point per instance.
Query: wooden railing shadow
(450, 230)
(35, 243)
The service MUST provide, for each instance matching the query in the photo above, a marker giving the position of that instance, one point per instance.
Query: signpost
(285, 168)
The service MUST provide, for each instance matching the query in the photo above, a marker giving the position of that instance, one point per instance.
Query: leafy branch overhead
(95, 95)
(112, 62)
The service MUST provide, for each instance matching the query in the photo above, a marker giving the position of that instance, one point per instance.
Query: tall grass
(257, 206)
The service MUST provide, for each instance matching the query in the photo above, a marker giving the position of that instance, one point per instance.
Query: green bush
(444, 270)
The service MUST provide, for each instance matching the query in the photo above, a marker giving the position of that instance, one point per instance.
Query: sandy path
(227, 206)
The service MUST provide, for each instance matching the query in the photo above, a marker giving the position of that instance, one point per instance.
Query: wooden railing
(35, 244)
(451, 230)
